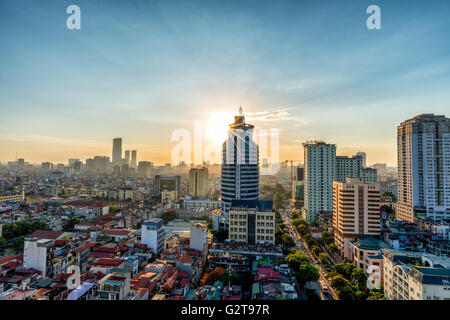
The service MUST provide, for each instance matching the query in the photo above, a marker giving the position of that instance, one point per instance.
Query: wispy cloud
(275, 115)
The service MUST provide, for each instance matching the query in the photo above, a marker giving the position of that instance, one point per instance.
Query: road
(301, 246)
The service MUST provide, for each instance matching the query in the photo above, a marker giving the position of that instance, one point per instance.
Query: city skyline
(313, 71)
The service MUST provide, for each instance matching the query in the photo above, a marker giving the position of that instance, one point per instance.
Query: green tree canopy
(277, 200)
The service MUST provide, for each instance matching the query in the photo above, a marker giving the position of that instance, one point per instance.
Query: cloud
(275, 115)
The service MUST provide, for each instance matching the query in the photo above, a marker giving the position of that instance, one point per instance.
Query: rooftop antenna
(240, 111)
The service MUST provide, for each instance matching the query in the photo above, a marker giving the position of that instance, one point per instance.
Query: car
(323, 286)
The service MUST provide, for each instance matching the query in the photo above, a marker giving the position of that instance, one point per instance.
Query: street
(301, 246)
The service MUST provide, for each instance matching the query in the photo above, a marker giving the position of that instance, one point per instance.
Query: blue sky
(141, 69)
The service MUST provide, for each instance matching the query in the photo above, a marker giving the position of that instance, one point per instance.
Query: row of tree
(350, 283)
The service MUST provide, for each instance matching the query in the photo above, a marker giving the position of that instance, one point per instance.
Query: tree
(345, 269)
(307, 272)
(360, 278)
(294, 214)
(299, 222)
(113, 209)
(294, 260)
(315, 249)
(277, 200)
(212, 276)
(69, 226)
(169, 215)
(220, 235)
(331, 248)
(326, 238)
(303, 269)
(323, 257)
(343, 288)
(376, 294)
(302, 229)
(287, 241)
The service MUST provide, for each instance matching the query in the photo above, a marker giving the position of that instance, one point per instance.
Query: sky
(142, 69)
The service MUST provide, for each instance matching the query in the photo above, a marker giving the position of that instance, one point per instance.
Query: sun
(217, 126)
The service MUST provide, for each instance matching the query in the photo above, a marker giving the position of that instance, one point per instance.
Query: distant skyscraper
(144, 168)
(124, 170)
(72, 162)
(198, 182)
(101, 163)
(423, 146)
(133, 159)
(127, 157)
(21, 164)
(89, 164)
(47, 166)
(117, 151)
(320, 172)
(240, 167)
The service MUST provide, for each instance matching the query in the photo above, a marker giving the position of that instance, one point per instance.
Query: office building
(198, 182)
(423, 146)
(167, 183)
(320, 172)
(240, 167)
(251, 222)
(356, 212)
(117, 151)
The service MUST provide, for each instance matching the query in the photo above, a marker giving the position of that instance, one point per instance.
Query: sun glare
(217, 126)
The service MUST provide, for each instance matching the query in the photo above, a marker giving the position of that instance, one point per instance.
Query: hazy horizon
(142, 69)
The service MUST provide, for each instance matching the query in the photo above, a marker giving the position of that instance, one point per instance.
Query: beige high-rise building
(198, 182)
(423, 144)
(356, 212)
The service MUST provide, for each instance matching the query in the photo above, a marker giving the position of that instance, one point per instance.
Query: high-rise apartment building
(100, 163)
(198, 182)
(21, 164)
(348, 167)
(144, 168)
(127, 157)
(356, 212)
(117, 151)
(133, 160)
(47, 166)
(320, 172)
(240, 167)
(423, 150)
(363, 156)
